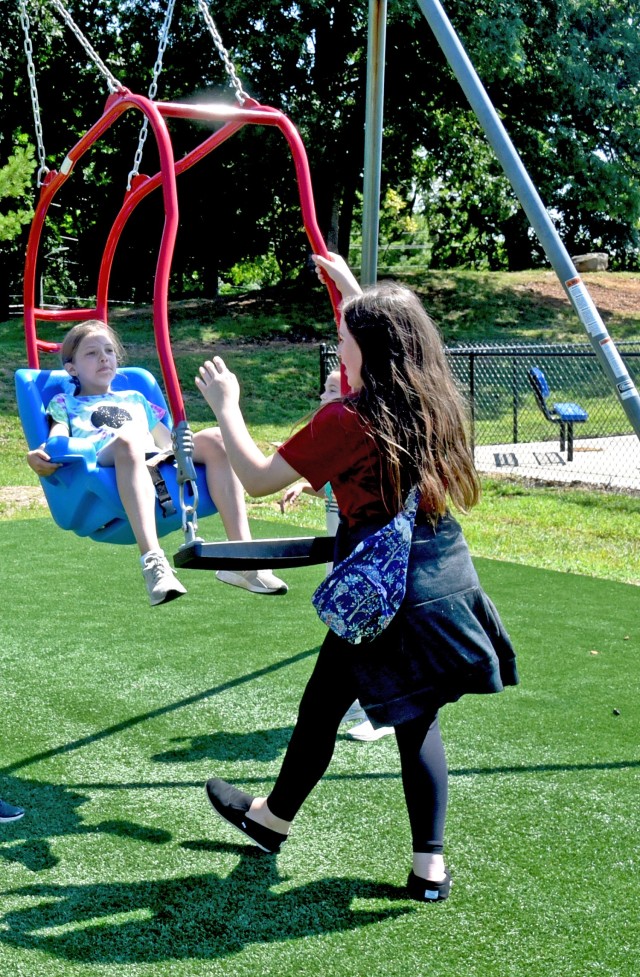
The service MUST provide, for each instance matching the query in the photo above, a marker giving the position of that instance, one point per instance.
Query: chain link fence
(544, 412)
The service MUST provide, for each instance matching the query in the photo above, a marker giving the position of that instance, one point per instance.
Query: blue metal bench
(564, 414)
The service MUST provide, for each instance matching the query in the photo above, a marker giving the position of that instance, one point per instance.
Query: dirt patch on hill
(16, 498)
(610, 293)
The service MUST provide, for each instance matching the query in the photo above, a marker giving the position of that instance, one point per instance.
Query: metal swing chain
(153, 89)
(112, 81)
(28, 49)
(240, 93)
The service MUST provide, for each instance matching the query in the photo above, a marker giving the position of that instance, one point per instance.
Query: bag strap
(411, 504)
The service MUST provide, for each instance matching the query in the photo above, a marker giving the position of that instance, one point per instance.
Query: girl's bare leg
(224, 486)
(137, 493)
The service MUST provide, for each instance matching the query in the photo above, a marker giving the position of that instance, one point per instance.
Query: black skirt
(446, 640)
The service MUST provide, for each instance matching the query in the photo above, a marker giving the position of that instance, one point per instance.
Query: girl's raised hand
(337, 269)
(218, 385)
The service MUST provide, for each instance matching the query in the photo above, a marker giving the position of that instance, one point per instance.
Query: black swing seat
(295, 551)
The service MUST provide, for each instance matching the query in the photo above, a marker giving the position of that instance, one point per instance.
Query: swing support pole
(604, 347)
(373, 140)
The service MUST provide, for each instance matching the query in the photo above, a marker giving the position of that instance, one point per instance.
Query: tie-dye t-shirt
(99, 416)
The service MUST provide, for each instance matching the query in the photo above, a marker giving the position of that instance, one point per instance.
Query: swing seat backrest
(82, 495)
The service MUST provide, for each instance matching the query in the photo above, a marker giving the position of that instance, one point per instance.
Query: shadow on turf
(263, 745)
(196, 917)
(53, 812)
(154, 713)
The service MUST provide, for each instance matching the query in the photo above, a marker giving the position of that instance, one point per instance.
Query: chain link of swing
(239, 92)
(28, 49)
(112, 82)
(153, 89)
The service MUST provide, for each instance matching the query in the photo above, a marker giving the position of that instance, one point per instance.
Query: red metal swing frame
(233, 119)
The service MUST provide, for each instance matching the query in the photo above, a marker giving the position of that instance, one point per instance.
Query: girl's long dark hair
(409, 400)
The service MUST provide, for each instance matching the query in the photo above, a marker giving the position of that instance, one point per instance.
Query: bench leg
(562, 436)
(570, 441)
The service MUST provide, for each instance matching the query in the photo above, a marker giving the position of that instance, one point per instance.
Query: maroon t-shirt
(335, 447)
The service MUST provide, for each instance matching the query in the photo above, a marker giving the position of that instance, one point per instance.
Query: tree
(563, 74)
(15, 179)
(15, 208)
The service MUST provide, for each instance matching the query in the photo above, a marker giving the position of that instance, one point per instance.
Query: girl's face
(331, 388)
(94, 364)
(350, 356)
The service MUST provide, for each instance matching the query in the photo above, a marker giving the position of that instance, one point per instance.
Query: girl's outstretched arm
(259, 474)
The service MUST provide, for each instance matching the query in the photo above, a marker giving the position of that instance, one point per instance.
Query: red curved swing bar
(234, 118)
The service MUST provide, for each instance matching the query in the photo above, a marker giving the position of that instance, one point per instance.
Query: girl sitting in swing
(125, 428)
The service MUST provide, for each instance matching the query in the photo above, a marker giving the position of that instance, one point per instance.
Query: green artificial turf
(115, 713)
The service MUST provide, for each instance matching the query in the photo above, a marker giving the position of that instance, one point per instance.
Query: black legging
(329, 693)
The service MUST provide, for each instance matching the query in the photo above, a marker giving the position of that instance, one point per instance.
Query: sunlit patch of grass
(592, 533)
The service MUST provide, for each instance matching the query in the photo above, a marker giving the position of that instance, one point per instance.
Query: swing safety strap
(162, 492)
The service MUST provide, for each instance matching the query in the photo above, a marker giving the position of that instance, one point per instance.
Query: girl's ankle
(429, 865)
(260, 812)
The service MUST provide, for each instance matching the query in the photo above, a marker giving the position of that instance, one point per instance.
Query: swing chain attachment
(182, 442)
(240, 93)
(112, 81)
(153, 89)
(28, 50)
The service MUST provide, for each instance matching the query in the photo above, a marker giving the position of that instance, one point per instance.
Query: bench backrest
(541, 390)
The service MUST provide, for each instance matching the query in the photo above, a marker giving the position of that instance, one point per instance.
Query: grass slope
(271, 339)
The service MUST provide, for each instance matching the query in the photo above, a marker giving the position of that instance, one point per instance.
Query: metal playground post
(604, 347)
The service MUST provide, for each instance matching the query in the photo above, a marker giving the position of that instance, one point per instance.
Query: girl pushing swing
(402, 426)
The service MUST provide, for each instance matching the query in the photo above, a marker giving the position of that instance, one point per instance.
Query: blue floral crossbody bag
(362, 594)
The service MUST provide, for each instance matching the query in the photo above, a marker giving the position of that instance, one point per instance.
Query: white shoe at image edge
(367, 733)
(257, 581)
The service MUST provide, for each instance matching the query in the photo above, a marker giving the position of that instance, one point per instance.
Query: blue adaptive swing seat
(82, 495)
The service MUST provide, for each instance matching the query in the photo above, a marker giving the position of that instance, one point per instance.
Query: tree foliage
(563, 74)
(15, 179)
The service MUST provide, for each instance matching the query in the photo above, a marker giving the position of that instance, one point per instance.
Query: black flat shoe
(232, 805)
(425, 891)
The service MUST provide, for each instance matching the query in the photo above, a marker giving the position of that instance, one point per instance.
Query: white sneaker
(367, 733)
(355, 713)
(257, 581)
(162, 583)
